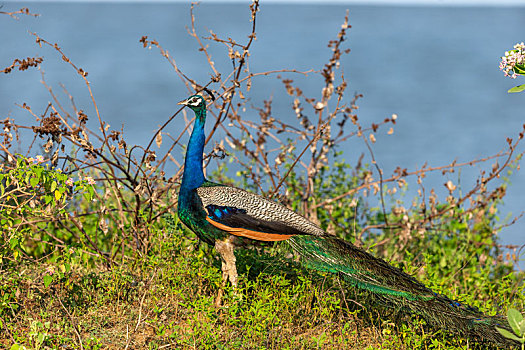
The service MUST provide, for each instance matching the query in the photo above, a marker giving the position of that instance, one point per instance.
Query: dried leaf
(54, 158)
(158, 139)
(450, 186)
(103, 225)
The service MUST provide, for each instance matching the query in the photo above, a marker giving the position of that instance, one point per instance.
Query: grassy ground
(166, 300)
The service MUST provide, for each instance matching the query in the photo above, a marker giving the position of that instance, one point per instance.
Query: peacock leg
(229, 269)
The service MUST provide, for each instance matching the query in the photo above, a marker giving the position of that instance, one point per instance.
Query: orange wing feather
(259, 236)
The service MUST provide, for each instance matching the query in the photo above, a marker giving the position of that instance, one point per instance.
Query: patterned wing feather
(246, 214)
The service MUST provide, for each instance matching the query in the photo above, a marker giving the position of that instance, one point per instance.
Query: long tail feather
(364, 271)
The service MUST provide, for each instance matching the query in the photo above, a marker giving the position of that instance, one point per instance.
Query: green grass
(166, 300)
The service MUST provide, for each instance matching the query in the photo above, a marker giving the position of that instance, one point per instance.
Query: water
(436, 67)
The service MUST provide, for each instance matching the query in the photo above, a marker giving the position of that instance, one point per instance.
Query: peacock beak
(183, 102)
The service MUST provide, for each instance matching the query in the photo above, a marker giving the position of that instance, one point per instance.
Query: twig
(72, 323)
(22, 11)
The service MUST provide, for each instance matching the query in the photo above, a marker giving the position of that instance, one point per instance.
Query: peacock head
(195, 102)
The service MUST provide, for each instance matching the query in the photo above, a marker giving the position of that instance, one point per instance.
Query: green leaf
(41, 338)
(508, 334)
(34, 181)
(443, 261)
(515, 318)
(522, 328)
(47, 280)
(518, 88)
(38, 171)
(53, 186)
(13, 242)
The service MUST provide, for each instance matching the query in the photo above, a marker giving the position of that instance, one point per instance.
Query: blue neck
(193, 176)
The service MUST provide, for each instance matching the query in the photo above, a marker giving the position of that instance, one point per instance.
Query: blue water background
(436, 67)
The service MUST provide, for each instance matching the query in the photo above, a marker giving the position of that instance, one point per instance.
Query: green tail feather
(395, 287)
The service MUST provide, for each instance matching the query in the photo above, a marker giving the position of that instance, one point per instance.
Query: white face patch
(195, 101)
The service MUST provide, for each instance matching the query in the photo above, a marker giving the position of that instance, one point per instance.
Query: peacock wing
(246, 214)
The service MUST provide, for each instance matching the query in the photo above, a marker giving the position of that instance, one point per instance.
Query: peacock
(218, 213)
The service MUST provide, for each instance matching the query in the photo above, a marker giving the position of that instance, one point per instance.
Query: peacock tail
(396, 288)
(216, 213)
